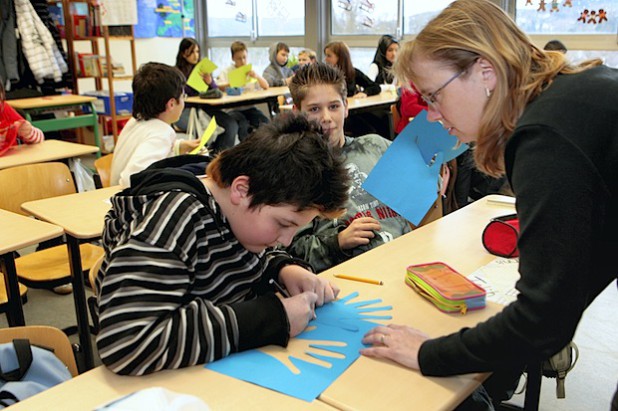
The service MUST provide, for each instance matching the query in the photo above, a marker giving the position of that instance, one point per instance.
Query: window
(567, 16)
(280, 18)
(416, 13)
(364, 17)
(230, 18)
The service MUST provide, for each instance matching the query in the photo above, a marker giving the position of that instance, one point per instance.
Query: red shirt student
(13, 126)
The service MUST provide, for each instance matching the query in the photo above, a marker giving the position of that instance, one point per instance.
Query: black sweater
(562, 162)
(371, 88)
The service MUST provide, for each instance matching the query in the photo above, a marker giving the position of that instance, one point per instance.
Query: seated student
(319, 90)
(14, 127)
(358, 85)
(185, 279)
(306, 56)
(555, 45)
(410, 103)
(277, 73)
(158, 100)
(186, 59)
(248, 117)
(380, 69)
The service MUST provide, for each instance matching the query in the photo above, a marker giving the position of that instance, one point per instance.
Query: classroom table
(370, 384)
(48, 150)
(268, 96)
(99, 386)
(30, 106)
(81, 216)
(18, 231)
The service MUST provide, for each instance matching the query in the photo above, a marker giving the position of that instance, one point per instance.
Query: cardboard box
(124, 102)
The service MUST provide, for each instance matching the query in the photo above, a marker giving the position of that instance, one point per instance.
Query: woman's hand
(298, 280)
(360, 95)
(395, 342)
(300, 309)
(359, 232)
(207, 77)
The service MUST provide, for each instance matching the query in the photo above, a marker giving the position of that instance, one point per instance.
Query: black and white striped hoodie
(176, 287)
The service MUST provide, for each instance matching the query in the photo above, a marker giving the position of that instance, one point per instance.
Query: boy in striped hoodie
(188, 260)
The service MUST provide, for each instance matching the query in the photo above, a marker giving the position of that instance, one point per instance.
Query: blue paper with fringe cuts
(406, 177)
(329, 345)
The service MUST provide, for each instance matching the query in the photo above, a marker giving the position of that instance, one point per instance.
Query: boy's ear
(171, 103)
(239, 191)
(295, 108)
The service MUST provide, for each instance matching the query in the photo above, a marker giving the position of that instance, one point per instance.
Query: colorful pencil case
(448, 290)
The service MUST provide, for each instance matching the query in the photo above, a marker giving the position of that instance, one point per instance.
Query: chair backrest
(396, 115)
(103, 165)
(44, 336)
(33, 182)
(92, 274)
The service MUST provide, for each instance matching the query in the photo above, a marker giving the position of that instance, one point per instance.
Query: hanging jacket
(8, 45)
(38, 45)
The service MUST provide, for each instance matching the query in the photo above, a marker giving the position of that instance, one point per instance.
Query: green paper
(195, 80)
(238, 76)
(210, 130)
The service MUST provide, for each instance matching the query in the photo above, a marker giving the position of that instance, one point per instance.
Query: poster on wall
(165, 18)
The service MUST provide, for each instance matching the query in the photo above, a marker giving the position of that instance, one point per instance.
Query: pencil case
(448, 290)
(500, 236)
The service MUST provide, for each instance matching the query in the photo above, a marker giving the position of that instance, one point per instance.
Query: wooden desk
(455, 239)
(18, 231)
(247, 98)
(220, 392)
(29, 106)
(48, 150)
(81, 216)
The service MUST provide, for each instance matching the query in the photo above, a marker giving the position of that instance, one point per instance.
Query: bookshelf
(82, 23)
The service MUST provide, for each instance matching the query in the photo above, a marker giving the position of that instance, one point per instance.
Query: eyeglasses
(430, 99)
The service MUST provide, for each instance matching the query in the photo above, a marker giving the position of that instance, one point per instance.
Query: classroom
(319, 204)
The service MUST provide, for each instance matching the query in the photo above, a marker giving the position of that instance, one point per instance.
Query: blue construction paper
(403, 181)
(339, 321)
(432, 138)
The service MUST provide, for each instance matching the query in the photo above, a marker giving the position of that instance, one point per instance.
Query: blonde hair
(467, 29)
(313, 57)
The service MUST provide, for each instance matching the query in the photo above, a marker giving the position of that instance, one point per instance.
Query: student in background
(249, 118)
(319, 91)
(552, 128)
(186, 59)
(306, 56)
(555, 45)
(158, 101)
(14, 127)
(410, 103)
(185, 277)
(358, 85)
(380, 69)
(277, 73)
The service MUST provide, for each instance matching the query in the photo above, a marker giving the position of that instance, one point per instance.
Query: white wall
(158, 49)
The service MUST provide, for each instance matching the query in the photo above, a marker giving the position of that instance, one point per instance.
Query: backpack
(26, 370)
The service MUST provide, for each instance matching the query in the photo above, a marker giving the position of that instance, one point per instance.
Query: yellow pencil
(361, 279)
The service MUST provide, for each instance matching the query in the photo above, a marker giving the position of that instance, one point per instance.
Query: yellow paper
(210, 130)
(195, 80)
(238, 76)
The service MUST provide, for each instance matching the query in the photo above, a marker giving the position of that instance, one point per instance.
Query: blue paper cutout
(406, 177)
(333, 339)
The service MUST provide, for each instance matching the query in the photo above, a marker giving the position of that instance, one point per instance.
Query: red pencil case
(500, 236)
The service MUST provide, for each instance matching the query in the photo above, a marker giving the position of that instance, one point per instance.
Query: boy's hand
(252, 74)
(188, 145)
(288, 80)
(298, 280)
(360, 95)
(359, 232)
(300, 309)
